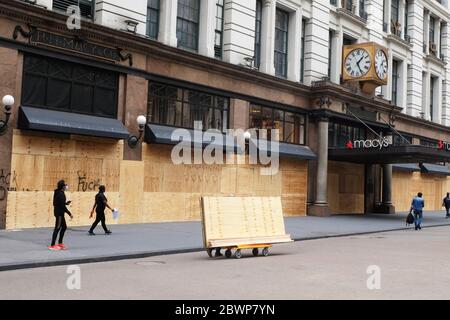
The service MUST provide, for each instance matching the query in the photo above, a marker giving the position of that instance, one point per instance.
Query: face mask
(66, 187)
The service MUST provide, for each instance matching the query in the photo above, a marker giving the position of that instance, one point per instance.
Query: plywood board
(131, 191)
(227, 218)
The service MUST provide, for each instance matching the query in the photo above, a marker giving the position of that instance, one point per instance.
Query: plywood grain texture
(242, 220)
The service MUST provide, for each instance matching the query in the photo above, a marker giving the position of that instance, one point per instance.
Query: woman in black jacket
(60, 209)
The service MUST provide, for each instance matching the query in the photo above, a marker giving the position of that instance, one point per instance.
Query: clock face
(358, 63)
(381, 64)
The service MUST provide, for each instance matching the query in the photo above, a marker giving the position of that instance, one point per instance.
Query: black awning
(160, 134)
(409, 167)
(391, 154)
(285, 149)
(435, 168)
(70, 123)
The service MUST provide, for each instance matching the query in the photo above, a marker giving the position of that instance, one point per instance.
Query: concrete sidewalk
(28, 248)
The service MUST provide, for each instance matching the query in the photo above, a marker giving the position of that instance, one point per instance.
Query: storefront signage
(368, 144)
(74, 44)
(444, 145)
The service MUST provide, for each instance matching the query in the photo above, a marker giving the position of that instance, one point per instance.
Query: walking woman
(101, 203)
(60, 209)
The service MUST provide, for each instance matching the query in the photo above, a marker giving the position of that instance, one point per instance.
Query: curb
(141, 255)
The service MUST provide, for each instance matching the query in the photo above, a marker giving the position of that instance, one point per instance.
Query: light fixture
(133, 140)
(8, 102)
(247, 135)
(131, 25)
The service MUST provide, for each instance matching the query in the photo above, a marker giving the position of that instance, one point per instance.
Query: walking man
(417, 205)
(446, 204)
(101, 203)
(60, 209)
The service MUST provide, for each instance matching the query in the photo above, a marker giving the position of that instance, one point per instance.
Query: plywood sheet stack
(231, 221)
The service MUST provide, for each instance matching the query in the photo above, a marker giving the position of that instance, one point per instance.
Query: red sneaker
(54, 248)
(62, 246)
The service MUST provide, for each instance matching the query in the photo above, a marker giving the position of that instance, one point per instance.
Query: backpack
(410, 218)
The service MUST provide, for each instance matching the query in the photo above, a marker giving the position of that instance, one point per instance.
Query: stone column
(268, 37)
(387, 14)
(401, 17)
(426, 31)
(320, 206)
(369, 190)
(426, 95)
(386, 205)
(207, 28)
(168, 23)
(437, 37)
(294, 45)
(336, 58)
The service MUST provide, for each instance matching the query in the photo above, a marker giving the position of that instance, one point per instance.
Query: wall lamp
(133, 140)
(8, 102)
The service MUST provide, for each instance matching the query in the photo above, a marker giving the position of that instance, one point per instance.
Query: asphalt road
(412, 265)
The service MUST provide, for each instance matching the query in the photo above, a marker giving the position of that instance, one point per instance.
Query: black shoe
(420, 228)
(108, 232)
(91, 233)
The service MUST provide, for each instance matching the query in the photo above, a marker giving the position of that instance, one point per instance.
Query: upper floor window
(281, 42)
(395, 76)
(290, 126)
(86, 6)
(180, 107)
(431, 30)
(218, 42)
(258, 23)
(153, 18)
(188, 24)
(395, 4)
(65, 86)
(362, 9)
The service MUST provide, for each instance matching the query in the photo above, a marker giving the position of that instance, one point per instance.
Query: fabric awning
(285, 149)
(160, 134)
(410, 167)
(31, 118)
(435, 168)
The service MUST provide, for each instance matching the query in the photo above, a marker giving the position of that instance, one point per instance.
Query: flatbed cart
(238, 250)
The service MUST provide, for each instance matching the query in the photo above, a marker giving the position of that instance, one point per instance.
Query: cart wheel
(265, 252)
(255, 252)
(228, 253)
(238, 254)
(209, 251)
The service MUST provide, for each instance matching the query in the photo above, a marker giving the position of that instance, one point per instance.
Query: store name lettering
(72, 44)
(368, 144)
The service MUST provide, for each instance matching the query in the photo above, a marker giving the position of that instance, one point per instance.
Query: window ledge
(400, 41)
(436, 60)
(355, 18)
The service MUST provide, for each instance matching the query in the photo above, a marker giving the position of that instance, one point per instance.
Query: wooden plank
(241, 217)
(131, 191)
(27, 172)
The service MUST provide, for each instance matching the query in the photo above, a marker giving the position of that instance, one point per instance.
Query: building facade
(230, 64)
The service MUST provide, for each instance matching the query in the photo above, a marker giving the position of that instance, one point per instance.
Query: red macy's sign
(443, 145)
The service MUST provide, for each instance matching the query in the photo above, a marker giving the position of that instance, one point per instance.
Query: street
(411, 265)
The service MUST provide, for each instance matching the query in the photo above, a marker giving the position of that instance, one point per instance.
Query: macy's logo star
(441, 145)
(349, 145)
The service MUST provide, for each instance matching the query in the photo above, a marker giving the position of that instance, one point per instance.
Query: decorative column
(426, 31)
(386, 205)
(336, 58)
(268, 37)
(294, 45)
(401, 17)
(437, 37)
(207, 28)
(168, 24)
(320, 206)
(387, 14)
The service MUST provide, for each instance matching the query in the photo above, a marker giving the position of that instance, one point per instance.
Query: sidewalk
(28, 248)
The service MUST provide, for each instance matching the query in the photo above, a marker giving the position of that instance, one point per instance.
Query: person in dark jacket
(446, 204)
(417, 205)
(101, 203)
(60, 209)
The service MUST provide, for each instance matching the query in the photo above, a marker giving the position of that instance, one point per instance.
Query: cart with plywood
(235, 224)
